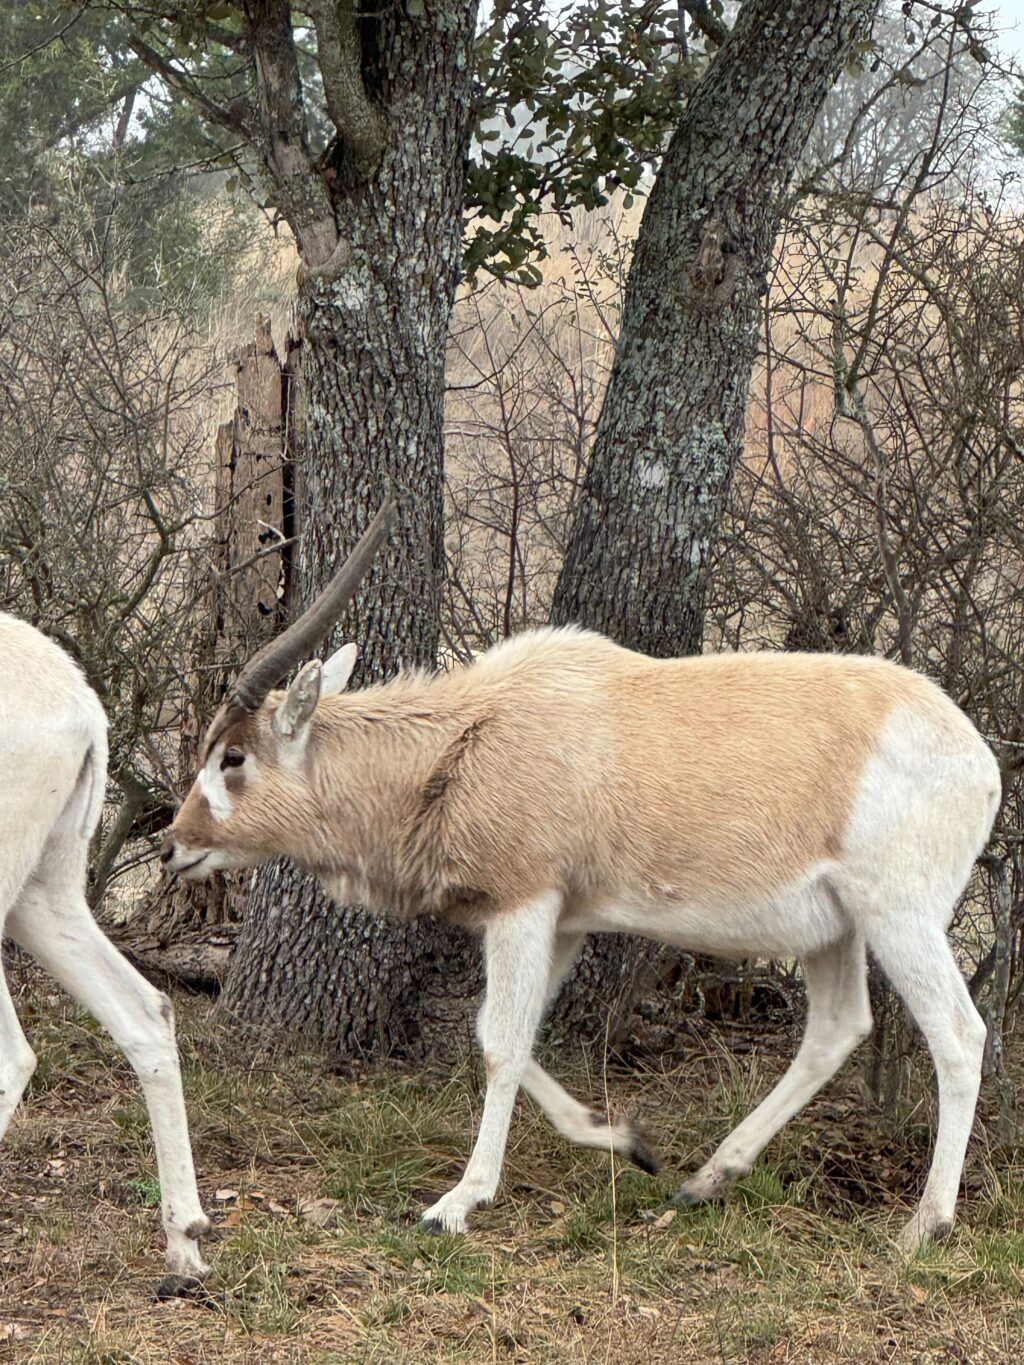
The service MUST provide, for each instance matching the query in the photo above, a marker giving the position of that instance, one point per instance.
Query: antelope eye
(233, 758)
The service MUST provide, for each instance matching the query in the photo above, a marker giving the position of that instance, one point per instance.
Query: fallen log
(197, 960)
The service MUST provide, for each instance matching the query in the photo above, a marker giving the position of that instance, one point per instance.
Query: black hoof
(643, 1156)
(181, 1287)
(685, 1199)
(176, 1287)
(190, 1288)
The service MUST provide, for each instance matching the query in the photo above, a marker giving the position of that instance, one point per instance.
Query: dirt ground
(314, 1184)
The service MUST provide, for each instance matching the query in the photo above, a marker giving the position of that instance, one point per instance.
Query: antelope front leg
(517, 955)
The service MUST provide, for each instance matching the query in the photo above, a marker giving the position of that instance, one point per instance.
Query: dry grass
(575, 1263)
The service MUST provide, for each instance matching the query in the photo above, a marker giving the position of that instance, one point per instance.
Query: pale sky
(1010, 17)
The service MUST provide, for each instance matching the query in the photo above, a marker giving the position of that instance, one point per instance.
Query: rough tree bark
(374, 308)
(244, 581)
(671, 427)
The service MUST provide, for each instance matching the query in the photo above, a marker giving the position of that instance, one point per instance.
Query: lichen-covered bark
(671, 428)
(374, 323)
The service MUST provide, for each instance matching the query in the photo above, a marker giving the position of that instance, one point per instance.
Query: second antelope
(778, 805)
(53, 770)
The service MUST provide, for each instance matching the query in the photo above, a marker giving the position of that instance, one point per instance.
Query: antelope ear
(338, 669)
(296, 711)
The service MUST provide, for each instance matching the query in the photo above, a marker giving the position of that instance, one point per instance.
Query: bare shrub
(103, 471)
(527, 370)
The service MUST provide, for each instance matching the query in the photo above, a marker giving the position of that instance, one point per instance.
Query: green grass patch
(582, 1258)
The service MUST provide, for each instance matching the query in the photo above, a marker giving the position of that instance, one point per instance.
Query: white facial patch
(212, 785)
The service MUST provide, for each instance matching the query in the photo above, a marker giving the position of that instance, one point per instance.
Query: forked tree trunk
(374, 324)
(671, 427)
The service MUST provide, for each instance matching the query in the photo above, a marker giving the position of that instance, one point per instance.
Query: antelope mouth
(189, 870)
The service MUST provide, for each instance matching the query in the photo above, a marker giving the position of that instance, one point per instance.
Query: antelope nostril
(167, 853)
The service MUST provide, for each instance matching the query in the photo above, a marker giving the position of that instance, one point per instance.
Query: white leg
(919, 962)
(26, 814)
(575, 1121)
(518, 948)
(66, 940)
(24, 819)
(838, 1018)
(564, 952)
(587, 1127)
(17, 1060)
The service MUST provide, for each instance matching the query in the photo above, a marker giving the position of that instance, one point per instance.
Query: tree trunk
(240, 593)
(671, 427)
(374, 322)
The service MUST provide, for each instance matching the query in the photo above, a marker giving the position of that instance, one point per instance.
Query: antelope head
(249, 793)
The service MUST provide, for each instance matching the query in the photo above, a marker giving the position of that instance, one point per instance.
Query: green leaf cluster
(574, 102)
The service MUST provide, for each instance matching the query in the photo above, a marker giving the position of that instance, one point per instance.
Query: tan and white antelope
(781, 805)
(53, 767)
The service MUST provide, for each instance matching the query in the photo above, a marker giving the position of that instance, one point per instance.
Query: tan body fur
(561, 760)
(801, 805)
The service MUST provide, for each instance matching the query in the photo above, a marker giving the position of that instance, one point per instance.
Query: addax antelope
(783, 805)
(53, 767)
